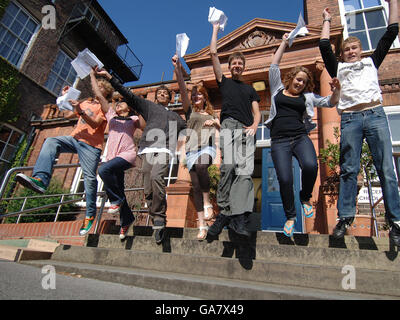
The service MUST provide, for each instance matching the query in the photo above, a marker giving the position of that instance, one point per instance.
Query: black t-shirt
(288, 121)
(237, 98)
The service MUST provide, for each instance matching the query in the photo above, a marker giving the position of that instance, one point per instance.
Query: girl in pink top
(121, 156)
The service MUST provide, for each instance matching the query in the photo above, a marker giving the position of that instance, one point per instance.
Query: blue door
(272, 215)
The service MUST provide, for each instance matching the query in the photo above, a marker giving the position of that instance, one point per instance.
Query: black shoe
(238, 224)
(341, 227)
(394, 234)
(159, 235)
(220, 222)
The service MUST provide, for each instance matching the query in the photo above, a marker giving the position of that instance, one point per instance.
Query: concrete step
(26, 249)
(368, 259)
(17, 254)
(301, 273)
(278, 238)
(210, 288)
(35, 244)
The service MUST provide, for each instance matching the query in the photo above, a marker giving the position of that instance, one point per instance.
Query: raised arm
(326, 24)
(330, 60)
(276, 59)
(214, 55)
(393, 11)
(181, 82)
(134, 102)
(96, 90)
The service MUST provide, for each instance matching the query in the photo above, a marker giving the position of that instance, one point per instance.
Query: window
(61, 74)
(263, 133)
(366, 20)
(16, 31)
(84, 10)
(10, 139)
(393, 115)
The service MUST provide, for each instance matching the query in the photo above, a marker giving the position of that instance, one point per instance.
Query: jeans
(373, 126)
(89, 158)
(235, 194)
(282, 151)
(155, 169)
(113, 174)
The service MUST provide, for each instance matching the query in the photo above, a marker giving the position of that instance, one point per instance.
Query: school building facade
(258, 39)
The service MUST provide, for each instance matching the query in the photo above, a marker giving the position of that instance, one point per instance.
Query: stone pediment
(253, 35)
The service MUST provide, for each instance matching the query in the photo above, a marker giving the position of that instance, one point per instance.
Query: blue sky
(151, 26)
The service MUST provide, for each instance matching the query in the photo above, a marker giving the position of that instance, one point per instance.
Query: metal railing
(27, 212)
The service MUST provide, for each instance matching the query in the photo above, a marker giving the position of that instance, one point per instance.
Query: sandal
(307, 209)
(208, 217)
(288, 230)
(202, 233)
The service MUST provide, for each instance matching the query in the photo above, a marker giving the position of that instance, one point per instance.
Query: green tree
(9, 96)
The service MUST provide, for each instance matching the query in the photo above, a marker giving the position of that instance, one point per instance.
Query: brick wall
(64, 232)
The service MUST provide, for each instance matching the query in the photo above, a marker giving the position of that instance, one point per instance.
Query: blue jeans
(89, 158)
(282, 151)
(113, 174)
(373, 125)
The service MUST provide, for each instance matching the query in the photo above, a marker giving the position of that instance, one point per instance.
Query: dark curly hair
(293, 72)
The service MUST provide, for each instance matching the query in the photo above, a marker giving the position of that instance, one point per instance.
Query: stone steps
(308, 264)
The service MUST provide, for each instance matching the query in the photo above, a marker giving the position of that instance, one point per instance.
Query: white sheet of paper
(63, 101)
(84, 62)
(300, 30)
(182, 43)
(217, 16)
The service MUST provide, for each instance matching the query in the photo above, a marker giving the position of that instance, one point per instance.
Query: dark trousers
(200, 180)
(113, 173)
(155, 169)
(282, 151)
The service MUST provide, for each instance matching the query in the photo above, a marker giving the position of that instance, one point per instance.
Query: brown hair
(107, 87)
(163, 87)
(350, 39)
(208, 107)
(237, 55)
(293, 72)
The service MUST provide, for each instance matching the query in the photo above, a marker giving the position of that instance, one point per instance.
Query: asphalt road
(22, 282)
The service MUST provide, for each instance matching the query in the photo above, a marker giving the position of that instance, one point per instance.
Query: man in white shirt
(362, 116)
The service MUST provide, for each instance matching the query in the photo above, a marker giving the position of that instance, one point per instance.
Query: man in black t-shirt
(240, 116)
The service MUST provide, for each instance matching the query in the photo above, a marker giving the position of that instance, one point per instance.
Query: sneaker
(86, 226)
(34, 184)
(114, 209)
(238, 224)
(124, 231)
(341, 227)
(220, 222)
(394, 234)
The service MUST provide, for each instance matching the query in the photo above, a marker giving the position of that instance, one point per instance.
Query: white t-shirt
(359, 81)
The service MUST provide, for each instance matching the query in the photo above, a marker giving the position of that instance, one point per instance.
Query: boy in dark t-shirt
(240, 116)
(362, 116)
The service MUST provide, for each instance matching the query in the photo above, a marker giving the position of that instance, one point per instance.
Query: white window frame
(263, 143)
(73, 84)
(384, 6)
(31, 40)
(7, 143)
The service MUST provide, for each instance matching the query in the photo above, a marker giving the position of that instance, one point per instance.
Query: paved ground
(22, 282)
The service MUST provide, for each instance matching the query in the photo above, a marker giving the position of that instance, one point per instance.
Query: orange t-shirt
(85, 133)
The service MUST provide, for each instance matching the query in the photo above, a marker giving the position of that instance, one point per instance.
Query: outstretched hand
(285, 38)
(102, 73)
(175, 61)
(326, 15)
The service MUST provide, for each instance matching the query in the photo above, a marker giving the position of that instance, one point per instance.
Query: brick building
(258, 39)
(42, 54)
